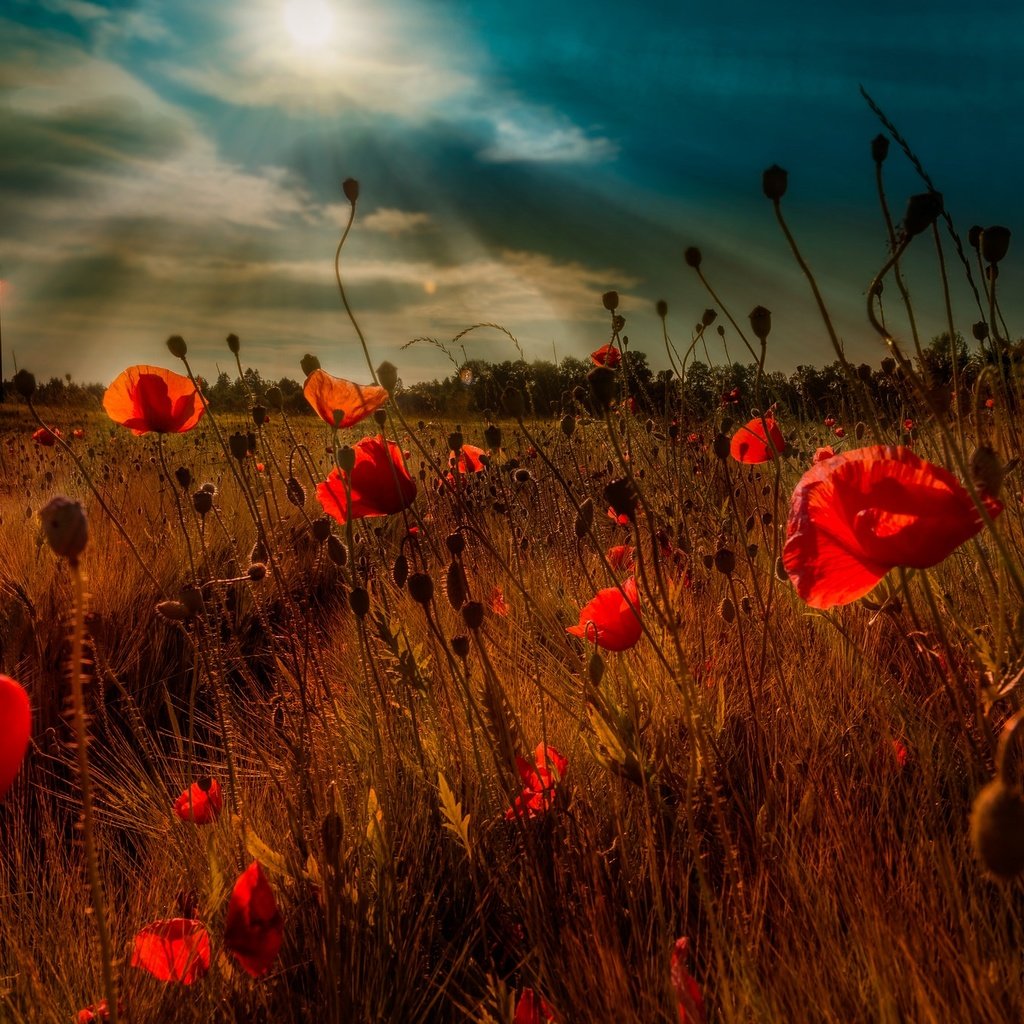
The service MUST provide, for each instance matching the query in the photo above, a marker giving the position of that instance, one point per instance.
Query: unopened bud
(351, 189)
(387, 374)
(202, 502)
(65, 527)
(257, 571)
(233, 343)
(760, 322)
(359, 602)
(184, 477)
(455, 585)
(421, 588)
(994, 243)
(774, 181)
(177, 347)
(661, 308)
(336, 551)
(492, 436)
(309, 363)
(346, 458)
(239, 446)
(610, 301)
(879, 148)
(980, 330)
(692, 257)
(24, 383)
(473, 614)
(922, 211)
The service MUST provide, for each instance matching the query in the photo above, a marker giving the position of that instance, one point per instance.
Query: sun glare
(309, 23)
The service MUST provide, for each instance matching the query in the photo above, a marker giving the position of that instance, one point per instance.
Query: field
(464, 811)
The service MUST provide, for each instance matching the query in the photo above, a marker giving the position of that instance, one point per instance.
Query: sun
(309, 23)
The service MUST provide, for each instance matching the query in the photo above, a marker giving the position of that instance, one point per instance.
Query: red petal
(611, 620)
(253, 928)
(15, 730)
(750, 443)
(173, 950)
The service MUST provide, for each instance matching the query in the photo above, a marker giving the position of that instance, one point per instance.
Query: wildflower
(15, 730)
(620, 556)
(78, 433)
(755, 442)
(496, 602)
(606, 355)
(540, 780)
(533, 1009)
(857, 515)
(201, 802)
(341, 403)
(824, 453)
(98, 1013)
(840, 432)
(612, 618)
(46, 437)
(254, 928)
(148, 398)
(688, 995)
(381, 484)
(177, 949)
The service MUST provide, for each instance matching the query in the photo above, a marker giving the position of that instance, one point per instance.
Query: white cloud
(389, 221)
(542, 136)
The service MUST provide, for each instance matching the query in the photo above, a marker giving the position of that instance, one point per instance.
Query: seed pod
(610, 301)
(492, 436)
(725, 561)
(387, 374)
(259, 415)
(25, 383)
(173, 611)
(351, 189)
(336, 551)
(997, 830)
(321, 529)
(692, 257)
(922, 211)
(460, 645)
(774, 182)
(661, 308)
(761, 322)
(233, 343)
(177, 347)
(727, 610)
(595, 668)
(994, 243)
(879, 148)
(274, 396)
(400, 571)
(708, 317)
(456, 586)
(473, 614)
(309, 363)
(455, 543)
(65, 527)
(421, 587)
(239, 446)
(295, 492)
(359, 602)
(257, 571)
(202, 502)
(345, 458)
(184, 477)
(980, 330)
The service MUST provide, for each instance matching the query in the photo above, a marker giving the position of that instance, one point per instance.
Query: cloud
(390, 221)
(538, 135)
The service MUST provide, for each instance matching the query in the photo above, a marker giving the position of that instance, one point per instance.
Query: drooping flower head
(45, 437)
(253, 928)
(540, 781)
(200, 803)
(15, 730)
(341, 403)
(177, 949)
(381, 484)
(612, 618)
(754, 442)
(149, 398)
(855, 516)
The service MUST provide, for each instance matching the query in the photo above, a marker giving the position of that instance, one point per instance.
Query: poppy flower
(533, 1009)
(497, 602)
(689, 1000)
(98, 1013)
(824, 453)
(830, 421)
(78, 433)
(253, 928)
(750, 444)
(539, 782)
(381, 484)
(606, 355)
(857, 515)
(46, 437)
(341, 403)
(470, 460)
(15, 730)
(840, 432)
(619, 520)
(620, 556)
(177, 949)
(201, 802)
(611, 620)
(148, 398)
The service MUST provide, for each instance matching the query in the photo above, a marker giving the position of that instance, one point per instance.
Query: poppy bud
(980, 330)
(720, 446)
(321, 529)
(177, 347)
(421, 588)
(879, 148)
(595, 669)
(202, 502)
(359, 602)
(387, 374)
(351, 189)
(603, 386)
(492, 436)
(345, 458)
(974, 236)
(473, 614)
(460, 645)
(708, 317)
(239, 446)
(25, 383)
(774, 182)
(336, 551)
(568, 425)
(257, 571)
(661, 308)
(295, 492)
(692, 257)
(760, 322)
(400, 571)
(610, 301)
(513, 402)
(259, 415)
(997, 830)
(308, 363)
(727, 610)
(922, 210)
(65, 527)
(585, 518)
(455, 585)
(233, 343)
(994, 243)
(173, 611)
(184, 477)
(455, 543)
(987, 471)
(622, 495)
(725, 561)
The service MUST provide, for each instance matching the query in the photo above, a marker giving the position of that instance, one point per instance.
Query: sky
(176, 168)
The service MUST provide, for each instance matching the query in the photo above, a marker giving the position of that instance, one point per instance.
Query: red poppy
(611, 620)
(620, 556)
(381, 484)
(824, 453)
(148, 398)
(840, 432)
(201, 802)
(339, 402)
(98, 1013)
(990, 403)
(539, 782)
(46, 437)
(688, 995)
(606, 355)
(533, 1009)
(859, 514)
(497, 602)
(253, 928)
(470, 460)
(750, 444)
(620, 520)
(15, 730)
(177, 949)
(908, 424)
(78, 433)
(830, 421)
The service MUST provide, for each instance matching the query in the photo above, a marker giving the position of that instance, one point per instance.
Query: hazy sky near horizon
(175, 168)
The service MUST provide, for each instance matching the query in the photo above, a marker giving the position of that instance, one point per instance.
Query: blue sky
(176, 168)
